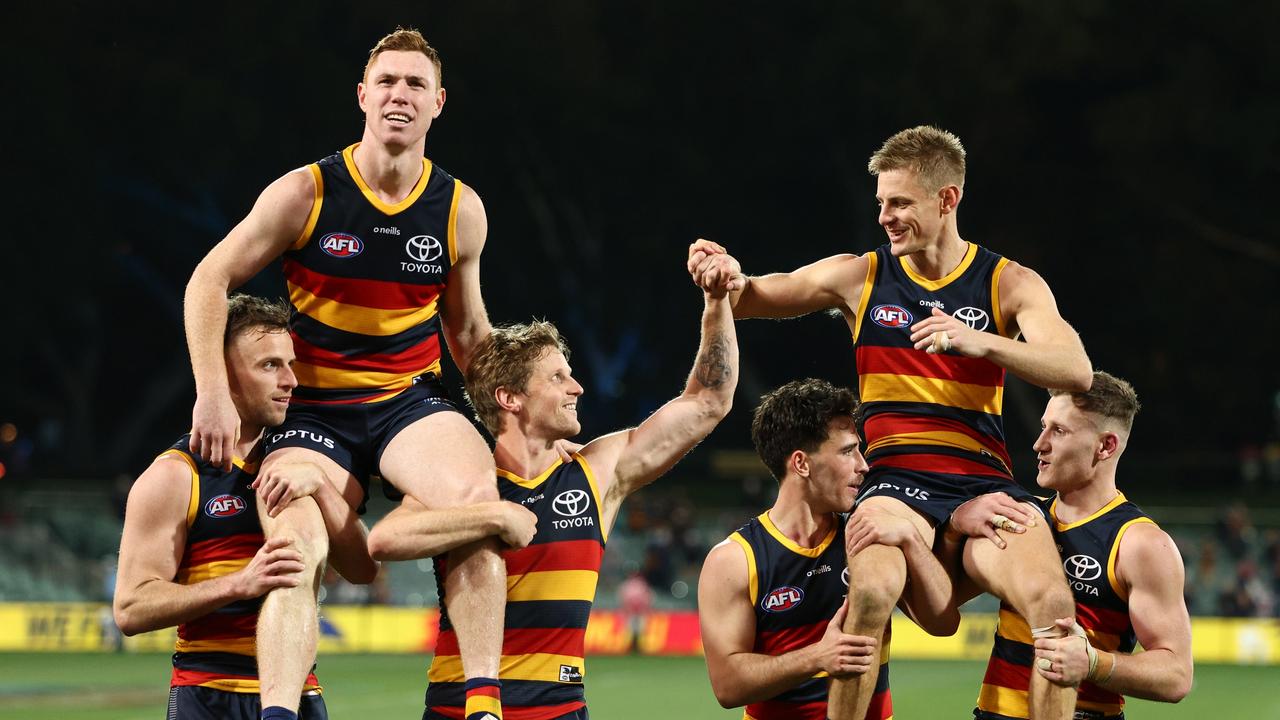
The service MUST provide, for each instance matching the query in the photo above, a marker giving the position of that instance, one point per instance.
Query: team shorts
(192, 702)
(1079, 715)
(936, 495)
(579, 714)
(355, 435)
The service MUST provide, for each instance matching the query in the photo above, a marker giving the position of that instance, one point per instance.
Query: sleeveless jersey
(930, 413)
(365, 280)
(1088, 548)
(795, 591)
(218, 650)
(551, 585)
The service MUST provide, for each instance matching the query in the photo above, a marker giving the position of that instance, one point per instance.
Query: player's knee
(476, 492)
(874, 594)
(303, 525)
(1046, 598)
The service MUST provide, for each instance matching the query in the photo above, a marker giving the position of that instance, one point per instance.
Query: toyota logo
(570, 503)
(975, 318)
(423, 248)
(844, 577)
(1082, 567)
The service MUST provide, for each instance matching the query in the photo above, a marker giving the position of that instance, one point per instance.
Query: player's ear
(508, 399)
(798, 462)
(949, 198)
(1108, 445)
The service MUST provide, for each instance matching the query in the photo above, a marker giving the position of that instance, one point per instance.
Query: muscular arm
(462, 313)
(151, 547)
(927, 598)
(413, 531)
(834, 282)
(628, 460)
(275, 222)
(740, 676)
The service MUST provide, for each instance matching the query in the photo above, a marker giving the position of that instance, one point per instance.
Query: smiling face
(1069, 447)
(911, 216)
(260, 372)
(549, 403)
(836, 468)
(400, 97)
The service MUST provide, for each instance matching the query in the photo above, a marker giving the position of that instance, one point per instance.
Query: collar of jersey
(1115, 501)
(531, 482)
(792, 545)
(349, 158)
(945, 280)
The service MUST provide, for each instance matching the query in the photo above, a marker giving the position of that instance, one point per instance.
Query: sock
(484, 699)
(275, 712)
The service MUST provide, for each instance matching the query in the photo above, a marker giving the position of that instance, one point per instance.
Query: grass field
(38, 686)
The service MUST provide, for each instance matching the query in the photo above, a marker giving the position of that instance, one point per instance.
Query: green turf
(40, 686)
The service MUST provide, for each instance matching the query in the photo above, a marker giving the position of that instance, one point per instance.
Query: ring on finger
(1002, 523)
(1045, 663)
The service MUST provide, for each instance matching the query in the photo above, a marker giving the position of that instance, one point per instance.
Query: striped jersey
(551, 585)
(1088, 548)
(218, 650)
(365, 280)
(938, 414)
(795, 592)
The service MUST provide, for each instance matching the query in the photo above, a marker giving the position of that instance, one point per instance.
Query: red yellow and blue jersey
(934, 414)
(365, 280)
(795, 592)
(551, 585)
(218, 650)
(1088, 548)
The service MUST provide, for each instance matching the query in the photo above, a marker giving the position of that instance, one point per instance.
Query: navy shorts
(192, 702)
(579, 714)
(355, 435)
(936, 495)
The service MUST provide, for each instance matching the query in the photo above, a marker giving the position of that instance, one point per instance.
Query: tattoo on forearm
(713, 368)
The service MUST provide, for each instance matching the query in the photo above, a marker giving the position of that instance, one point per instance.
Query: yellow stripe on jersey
(1121, 593)
(1003, 700)
(319, 376)
(595, 493)
(552, 585)
(349, 158)
(453, 222)
(995, 297)
(233, 685)
(533, 666)
(1013, 626)
(1103, 640)
(208, 571)
(887, 387)
(530, 483)
(867, 285)
(752, 580)
(359, 319)
(792, 545)
(238, 646)
(1063, 527)
(193, 504)
(947, 279)
(940, 438)
(1106, 709)
(305, 236)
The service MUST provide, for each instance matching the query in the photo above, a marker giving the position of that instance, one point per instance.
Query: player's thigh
(1029, 562)
(346, 483)
(441, 461)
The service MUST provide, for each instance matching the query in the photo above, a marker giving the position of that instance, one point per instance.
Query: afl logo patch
(225, 506)
(782, 599)
(890, 316)
(341, 245)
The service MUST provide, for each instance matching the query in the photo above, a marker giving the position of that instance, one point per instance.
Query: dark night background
(1129, 156)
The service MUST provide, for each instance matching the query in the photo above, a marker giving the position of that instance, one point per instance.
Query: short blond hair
(935, 155)
(1109, 397)
(505, 359)
(406, 40)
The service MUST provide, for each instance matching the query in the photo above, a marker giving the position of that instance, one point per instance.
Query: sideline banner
(89, 627)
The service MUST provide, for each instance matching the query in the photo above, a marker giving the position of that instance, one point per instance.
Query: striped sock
(484, 699)
(276, 712)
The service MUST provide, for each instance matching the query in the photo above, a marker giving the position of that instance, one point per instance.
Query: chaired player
(193, 554)
(381, 252)
(524, 392)
(935, 321)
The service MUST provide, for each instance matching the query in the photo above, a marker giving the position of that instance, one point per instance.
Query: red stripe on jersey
(938, 463)
(181, 678)
(909, 361)
(230, 547)
(777, 642)
(1007, 674)
(778, 710)
(447, 643)
(418, 357)
(485, 690)
(1094, 694)
(379, 294)
(1115, 622)
(557, 641)
(562, 555)
(371, 397)
(214, 626)
(881, 707)
(516, 712)
(884, 424)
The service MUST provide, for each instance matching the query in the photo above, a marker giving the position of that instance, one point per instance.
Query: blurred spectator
(636, 598)
(1235, 531)
(1202, 586)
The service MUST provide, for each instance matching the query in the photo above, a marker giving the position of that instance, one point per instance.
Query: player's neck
(525, 456)
(799, 521)
(391, 173)
(938, 258)
(1079, 503)
(250, 434)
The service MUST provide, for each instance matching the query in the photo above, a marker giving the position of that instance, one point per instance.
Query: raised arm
(628, 460)
(1149, 566)
(1051, 357)
(151, 547)
(740, 676)
(834, 282)
(462, 313)
(276, 221)
(413, 531)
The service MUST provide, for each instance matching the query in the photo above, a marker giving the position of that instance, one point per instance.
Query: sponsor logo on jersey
(1082, 567)
(571, 503)
(386, 230)
(570, 674)
(975, 318)
(890, 316)
(425, 251)
(341, 245)
(782, 599)
(304, 435)
(225, 506)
